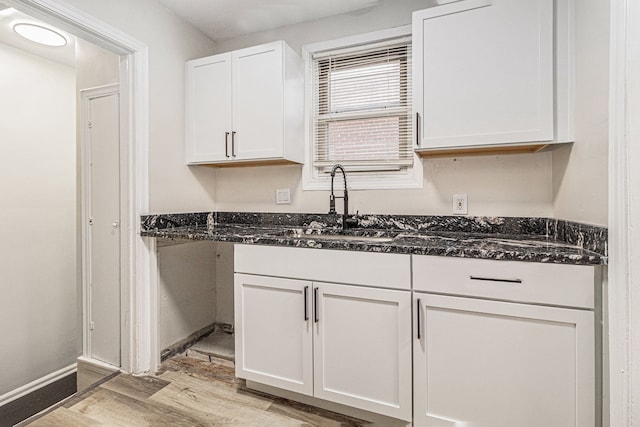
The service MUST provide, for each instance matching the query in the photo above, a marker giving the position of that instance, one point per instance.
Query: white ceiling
(9, 17)
(225, 19)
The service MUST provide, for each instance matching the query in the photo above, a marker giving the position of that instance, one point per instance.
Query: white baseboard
(37, 384)
(98, 363)
(92, 371)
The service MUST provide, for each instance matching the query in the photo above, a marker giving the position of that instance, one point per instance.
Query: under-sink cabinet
(504, 343)
(245, 107)
(334, 325)
(273, 332)
(492, 75)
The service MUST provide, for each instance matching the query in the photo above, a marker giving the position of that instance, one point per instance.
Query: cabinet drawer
(357, 268)
(555, 284)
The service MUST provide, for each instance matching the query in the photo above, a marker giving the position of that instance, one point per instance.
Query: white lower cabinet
(345, 344)
(488, 363)
(477, 343)
(273, 335)
(362, 348)
(341, 343)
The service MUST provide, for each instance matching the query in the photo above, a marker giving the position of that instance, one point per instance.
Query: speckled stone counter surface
(501, 238)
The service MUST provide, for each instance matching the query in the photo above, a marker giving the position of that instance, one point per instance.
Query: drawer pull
(493, 279)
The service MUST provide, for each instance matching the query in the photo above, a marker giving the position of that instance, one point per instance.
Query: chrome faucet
(346, 220)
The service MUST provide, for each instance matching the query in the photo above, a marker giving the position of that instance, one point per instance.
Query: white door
(273, 332)
(102, 223)
(209, 125)
(496, 364)
(362, 348)
(258, 102)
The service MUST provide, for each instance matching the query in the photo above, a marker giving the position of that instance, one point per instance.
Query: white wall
(496, 185)
(388, 14)
(95, 66)
(580, 172)
(174, 187)
(38, 308)
(186, 290)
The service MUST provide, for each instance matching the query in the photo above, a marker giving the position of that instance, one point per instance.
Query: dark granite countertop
(518, 239)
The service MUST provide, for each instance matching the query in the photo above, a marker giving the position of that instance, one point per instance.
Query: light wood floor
(186, 392)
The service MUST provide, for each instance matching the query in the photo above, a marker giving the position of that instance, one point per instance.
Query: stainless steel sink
(350, 238)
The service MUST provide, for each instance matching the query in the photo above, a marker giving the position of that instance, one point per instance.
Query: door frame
(623, 323)
(139, 284)
(86, 96)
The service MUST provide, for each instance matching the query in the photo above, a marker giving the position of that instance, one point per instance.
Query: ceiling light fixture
(40, 34)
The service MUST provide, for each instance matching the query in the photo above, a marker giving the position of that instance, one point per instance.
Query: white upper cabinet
(208, 108)
(245, 106)
(484, 74)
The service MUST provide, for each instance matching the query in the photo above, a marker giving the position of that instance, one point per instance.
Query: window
(360, 114)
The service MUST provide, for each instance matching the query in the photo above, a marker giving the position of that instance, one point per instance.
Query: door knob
(115, 224)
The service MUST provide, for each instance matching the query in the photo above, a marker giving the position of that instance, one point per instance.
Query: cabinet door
(208, 109)
(362, 348)
(273, 332)
(258, 91)
(483, 72)
(493, 364)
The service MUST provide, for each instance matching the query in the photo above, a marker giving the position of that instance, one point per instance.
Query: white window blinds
(362, 107)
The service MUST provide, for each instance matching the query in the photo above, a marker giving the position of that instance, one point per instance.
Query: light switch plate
(283, 196)
(459, 204)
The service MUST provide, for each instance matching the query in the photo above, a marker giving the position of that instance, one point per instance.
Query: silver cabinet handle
(233, 143)
(493, 279)
(418, 316)
(418, 129)
(226, 144)
(316, 317)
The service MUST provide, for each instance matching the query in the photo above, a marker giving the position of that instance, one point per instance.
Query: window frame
(317, 178)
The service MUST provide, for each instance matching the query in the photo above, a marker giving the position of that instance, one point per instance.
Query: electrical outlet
(459, 204)
(283, 196)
